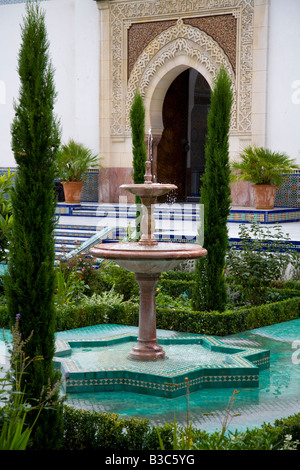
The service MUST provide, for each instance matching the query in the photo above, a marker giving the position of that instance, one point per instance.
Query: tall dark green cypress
(210, 291)
(30, 290)
(137, 122)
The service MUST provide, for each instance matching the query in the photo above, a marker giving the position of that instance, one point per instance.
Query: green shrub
(4, 317)
(112, 276)
(6, 217)
(176, 319)
(289, 426)
(90, 430)
(179, 275)
(263, 259)
(175, 288)
(79, 316)
(228, 322)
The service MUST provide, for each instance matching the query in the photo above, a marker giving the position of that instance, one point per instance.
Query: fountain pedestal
(147, 348)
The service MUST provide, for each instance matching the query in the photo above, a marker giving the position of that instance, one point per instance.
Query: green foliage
(295, 266)
(262, 166)
(210, 289)
(175, 288)
(228, 322)
(289, 426)
(85, 430)
(89, 430)
(180, 275)
(137, 122)
(181, 301)
(69, 289)
(14, 430)
(81, 267)
(263, 259)
(110, 276)
(96, 310)
(6, 219)
(73, 160)
(35, 141)
(175, 313)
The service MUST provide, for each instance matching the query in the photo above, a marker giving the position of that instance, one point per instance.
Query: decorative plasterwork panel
(124, 13)
(222, 28)
(177, 40)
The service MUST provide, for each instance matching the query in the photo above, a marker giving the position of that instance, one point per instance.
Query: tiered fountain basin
(102, 363)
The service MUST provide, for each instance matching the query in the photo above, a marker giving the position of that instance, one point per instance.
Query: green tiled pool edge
(242, 370)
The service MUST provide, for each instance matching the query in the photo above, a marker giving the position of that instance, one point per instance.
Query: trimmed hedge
(228, 322)
(77, 316)
(90, 430)
(209, 323)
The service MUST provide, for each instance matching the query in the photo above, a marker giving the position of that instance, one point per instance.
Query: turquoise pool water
(277, 396)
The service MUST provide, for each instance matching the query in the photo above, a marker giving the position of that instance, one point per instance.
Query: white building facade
(170, 50)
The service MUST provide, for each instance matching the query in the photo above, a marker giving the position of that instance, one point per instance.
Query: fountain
(121, 358)
(148, 259)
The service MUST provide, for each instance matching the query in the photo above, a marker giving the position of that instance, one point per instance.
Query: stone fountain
(148, 259)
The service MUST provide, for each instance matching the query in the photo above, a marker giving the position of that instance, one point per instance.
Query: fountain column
(147, 348)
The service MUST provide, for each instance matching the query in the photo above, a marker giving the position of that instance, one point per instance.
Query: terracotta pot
(72, 190)
(264, 196)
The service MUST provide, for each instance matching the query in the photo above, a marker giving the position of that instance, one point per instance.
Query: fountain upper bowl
(149, 189)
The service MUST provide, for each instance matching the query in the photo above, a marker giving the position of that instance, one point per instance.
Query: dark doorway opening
(181, 151)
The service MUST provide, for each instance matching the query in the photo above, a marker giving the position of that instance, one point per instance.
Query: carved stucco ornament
(180, 39)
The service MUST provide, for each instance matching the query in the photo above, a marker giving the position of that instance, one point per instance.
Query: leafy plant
(167, 301)
(262, 166)
(14, 430)
(263, 258)
(69, 289)
(83, 267)
(6, 217)
(73, 161)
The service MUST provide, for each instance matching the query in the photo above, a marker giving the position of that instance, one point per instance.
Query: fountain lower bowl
(148, 258)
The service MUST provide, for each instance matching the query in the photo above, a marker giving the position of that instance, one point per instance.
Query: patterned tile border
(246, 216)
(241, 369)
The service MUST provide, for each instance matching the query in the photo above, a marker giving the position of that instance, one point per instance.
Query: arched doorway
(180, 152)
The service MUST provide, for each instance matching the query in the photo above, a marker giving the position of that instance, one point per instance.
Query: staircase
(111, 222)
(80, 226)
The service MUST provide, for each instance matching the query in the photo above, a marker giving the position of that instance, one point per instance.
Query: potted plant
(73, 161)
(265, 169)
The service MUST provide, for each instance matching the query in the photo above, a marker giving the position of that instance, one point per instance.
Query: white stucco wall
(283, 104)
(72, 27)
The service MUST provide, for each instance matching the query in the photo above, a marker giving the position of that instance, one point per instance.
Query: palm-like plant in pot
(73, 161)
(266, 170)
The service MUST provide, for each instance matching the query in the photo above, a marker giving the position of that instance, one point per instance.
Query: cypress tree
(210, 291)
(137, 121)
(30, 290)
